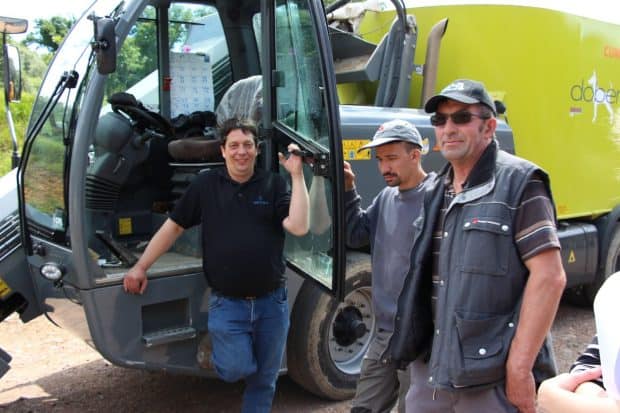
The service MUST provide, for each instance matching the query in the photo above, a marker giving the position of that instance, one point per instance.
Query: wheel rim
(351, 330)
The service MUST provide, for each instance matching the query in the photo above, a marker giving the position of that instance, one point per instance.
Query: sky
(37, 9)
(607, 10)
(32, 9)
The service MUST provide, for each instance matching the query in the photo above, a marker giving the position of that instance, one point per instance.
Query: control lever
(302, 153)
(320, 162)
(122, 253)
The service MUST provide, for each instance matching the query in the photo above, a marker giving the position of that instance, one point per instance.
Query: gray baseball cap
(393, 131)
(464, 91)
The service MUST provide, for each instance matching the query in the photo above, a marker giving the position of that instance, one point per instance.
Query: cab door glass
(301, 112)
(136, 63)
(298, 84)
(132, 180)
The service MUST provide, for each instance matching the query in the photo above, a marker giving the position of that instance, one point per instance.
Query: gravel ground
(53, 371)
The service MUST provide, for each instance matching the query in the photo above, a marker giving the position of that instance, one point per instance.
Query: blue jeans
(248, 337)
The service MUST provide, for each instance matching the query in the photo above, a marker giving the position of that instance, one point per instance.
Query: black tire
(584, 295)
(328, 339)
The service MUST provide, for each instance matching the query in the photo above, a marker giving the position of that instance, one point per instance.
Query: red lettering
(610, 51)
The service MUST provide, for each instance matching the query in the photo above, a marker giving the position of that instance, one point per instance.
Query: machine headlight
(52, 271)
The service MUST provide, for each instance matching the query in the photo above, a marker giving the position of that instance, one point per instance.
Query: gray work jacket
(482, 279)
(387, 224)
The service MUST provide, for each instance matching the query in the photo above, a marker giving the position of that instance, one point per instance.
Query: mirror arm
(104, 43)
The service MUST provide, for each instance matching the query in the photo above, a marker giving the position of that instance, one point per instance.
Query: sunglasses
(458, 118)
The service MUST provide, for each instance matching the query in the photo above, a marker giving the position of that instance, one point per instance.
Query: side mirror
(11, 25)
(104, 44)
(10, 56)
(12, 74)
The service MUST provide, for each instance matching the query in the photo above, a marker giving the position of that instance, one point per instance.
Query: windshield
(193, 30)
(45, 163)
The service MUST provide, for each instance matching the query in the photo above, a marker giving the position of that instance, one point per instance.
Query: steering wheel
(142, 117)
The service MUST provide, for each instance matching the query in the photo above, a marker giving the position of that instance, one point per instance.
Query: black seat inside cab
(195, 138)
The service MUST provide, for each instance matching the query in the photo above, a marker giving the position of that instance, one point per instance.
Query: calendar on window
(191, 86)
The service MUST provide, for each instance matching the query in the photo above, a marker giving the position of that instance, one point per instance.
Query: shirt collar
(258, 174)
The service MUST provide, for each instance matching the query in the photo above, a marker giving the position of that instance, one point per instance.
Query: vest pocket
(486, 245)
(484, 345)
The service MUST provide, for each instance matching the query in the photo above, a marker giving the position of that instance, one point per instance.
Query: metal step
(170, 335)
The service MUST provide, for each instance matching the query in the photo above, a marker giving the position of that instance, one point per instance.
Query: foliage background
(47, 36)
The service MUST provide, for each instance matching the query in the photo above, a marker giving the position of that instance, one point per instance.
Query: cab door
(301, 105)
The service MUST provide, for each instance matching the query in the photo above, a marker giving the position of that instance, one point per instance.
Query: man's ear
(491, 125)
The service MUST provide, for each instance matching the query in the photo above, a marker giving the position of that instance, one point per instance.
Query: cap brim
(432, 103)
(378, 142)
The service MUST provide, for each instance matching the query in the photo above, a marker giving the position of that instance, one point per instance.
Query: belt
(239, 297)
(243, 297)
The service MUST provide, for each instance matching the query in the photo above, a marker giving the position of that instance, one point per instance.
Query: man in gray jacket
(387, 224)
(486, 273)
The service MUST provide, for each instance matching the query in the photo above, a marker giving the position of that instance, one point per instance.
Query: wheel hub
(351, 331)
(349, 326)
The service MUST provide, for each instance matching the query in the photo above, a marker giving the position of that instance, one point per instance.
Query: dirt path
(53, 371)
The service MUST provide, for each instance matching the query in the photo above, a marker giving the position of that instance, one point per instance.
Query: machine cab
(126, 117)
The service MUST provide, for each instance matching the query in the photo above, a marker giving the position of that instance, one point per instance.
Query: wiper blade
(68, 80)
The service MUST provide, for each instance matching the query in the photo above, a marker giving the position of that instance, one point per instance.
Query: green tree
(21, 112)
(32, 69)
(49, 33)
(138, 55)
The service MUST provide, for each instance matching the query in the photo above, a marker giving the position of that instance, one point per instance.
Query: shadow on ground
(98, 386)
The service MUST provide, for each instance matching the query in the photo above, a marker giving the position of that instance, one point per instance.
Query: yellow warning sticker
(124, 226)
(571, 257)
(5, 290)
(350, 147)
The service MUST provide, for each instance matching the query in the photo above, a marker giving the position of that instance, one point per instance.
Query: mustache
(389, 175)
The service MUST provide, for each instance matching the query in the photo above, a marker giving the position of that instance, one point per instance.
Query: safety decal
(5, 290)
(350, 147)
(571, 257)
(124, 226)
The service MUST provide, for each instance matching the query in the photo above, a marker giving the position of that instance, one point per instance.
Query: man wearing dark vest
(486, 274)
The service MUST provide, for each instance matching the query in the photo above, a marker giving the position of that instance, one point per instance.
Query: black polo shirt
(242, 233)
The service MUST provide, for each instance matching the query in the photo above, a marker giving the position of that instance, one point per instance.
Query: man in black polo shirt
(244, 212)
